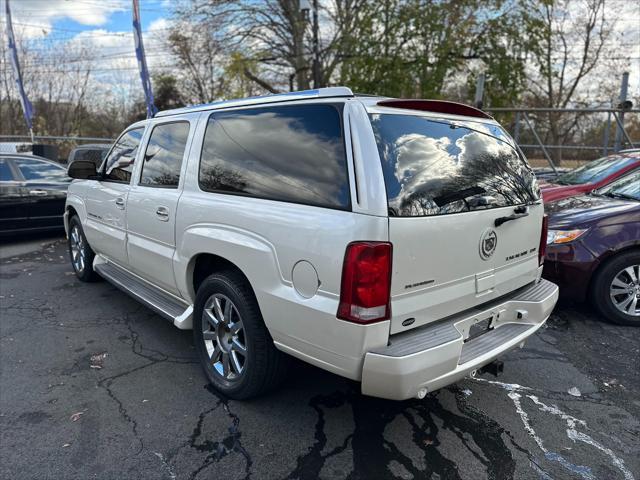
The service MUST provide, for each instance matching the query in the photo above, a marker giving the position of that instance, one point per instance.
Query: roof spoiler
(438, 106)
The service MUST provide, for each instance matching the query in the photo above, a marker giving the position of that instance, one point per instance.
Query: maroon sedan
(595, 174)
(593, 249)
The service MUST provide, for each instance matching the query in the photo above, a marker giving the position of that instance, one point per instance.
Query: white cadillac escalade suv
(397, 243)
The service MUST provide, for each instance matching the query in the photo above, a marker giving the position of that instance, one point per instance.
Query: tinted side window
(34, 170)
(119, 163)
(5, 171)
(163, 157)
(288, 153)
(437, 167)
(90, 155)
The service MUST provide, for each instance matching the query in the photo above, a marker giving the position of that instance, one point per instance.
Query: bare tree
(272, 38)
(576, 39)
(56, 81)
(200, 60)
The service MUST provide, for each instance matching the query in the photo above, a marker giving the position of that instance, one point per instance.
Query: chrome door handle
(38, 193)
(162, 214)
(120, 203)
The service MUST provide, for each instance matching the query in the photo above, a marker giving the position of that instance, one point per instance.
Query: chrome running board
(164, 304)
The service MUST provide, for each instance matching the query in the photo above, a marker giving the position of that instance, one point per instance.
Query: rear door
(106, 200)
(152, 204)
(13, 198)
(46, 186)
(450, 187)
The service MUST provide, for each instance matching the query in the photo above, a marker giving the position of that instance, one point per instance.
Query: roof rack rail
(264, 99)
(438, 106)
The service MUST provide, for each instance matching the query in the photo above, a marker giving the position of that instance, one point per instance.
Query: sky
(74, 16)
(103, 28)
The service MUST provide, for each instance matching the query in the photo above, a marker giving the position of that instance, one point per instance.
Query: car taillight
(542, 250)
(366, 283)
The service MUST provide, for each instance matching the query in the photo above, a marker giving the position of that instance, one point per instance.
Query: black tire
(602, 284)
(264, 367)
(84, 271)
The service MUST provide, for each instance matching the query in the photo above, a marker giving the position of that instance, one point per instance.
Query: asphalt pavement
(94, 385)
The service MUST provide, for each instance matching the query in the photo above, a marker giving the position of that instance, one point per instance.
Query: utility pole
(316, 48)
(623, 98)
(605, 141)
(478, 103)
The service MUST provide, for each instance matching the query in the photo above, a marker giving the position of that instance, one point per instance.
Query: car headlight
(555, 237)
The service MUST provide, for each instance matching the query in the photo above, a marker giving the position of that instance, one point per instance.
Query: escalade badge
(488, 243)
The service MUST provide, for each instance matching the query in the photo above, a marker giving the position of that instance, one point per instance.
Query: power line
(103, 69)
(58, 29)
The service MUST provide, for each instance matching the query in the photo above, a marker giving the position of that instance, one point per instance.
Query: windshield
(596, 170)
(626, 187)
(438, 167)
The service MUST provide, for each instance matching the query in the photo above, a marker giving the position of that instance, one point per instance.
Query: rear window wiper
(448, 198)
(622, 196)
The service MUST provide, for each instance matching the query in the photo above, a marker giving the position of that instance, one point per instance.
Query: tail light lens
(366, 283)
(542, 250)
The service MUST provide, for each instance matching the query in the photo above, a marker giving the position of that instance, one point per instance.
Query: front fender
(608, 240)
(75, 201)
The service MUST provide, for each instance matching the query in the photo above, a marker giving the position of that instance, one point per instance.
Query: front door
(152, 205)
(106, 200)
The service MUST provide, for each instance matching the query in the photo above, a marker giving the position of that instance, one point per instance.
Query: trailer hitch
(495, 368)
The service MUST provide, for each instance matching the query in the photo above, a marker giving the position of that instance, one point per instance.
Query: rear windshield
(596, 170)
(438, 167)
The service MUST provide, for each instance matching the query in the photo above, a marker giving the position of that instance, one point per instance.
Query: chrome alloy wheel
(224, 337)
(78, 251)
(625, 290)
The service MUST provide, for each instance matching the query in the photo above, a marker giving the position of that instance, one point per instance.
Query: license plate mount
(479, 328)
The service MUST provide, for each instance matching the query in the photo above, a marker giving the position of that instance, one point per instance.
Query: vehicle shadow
(361, 437)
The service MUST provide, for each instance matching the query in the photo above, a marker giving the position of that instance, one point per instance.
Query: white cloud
(35, 18)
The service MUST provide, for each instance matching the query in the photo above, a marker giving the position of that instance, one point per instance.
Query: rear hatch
(448, 182)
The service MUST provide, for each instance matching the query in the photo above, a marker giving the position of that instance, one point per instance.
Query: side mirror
(152, 151)
(83, 170)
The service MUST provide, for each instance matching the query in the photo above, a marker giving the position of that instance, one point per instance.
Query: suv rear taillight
(542, 250)
(366, 283)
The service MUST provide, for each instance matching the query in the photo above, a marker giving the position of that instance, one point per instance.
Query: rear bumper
(436, 355)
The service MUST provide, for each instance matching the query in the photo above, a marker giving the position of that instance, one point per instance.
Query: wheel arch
(74, 206)
(206, 248)
(69, 212)
(204, 264)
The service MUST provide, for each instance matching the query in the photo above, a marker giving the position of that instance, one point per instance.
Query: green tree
(165, 97)
(507, 39)
(417, 48)
(166, 94)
